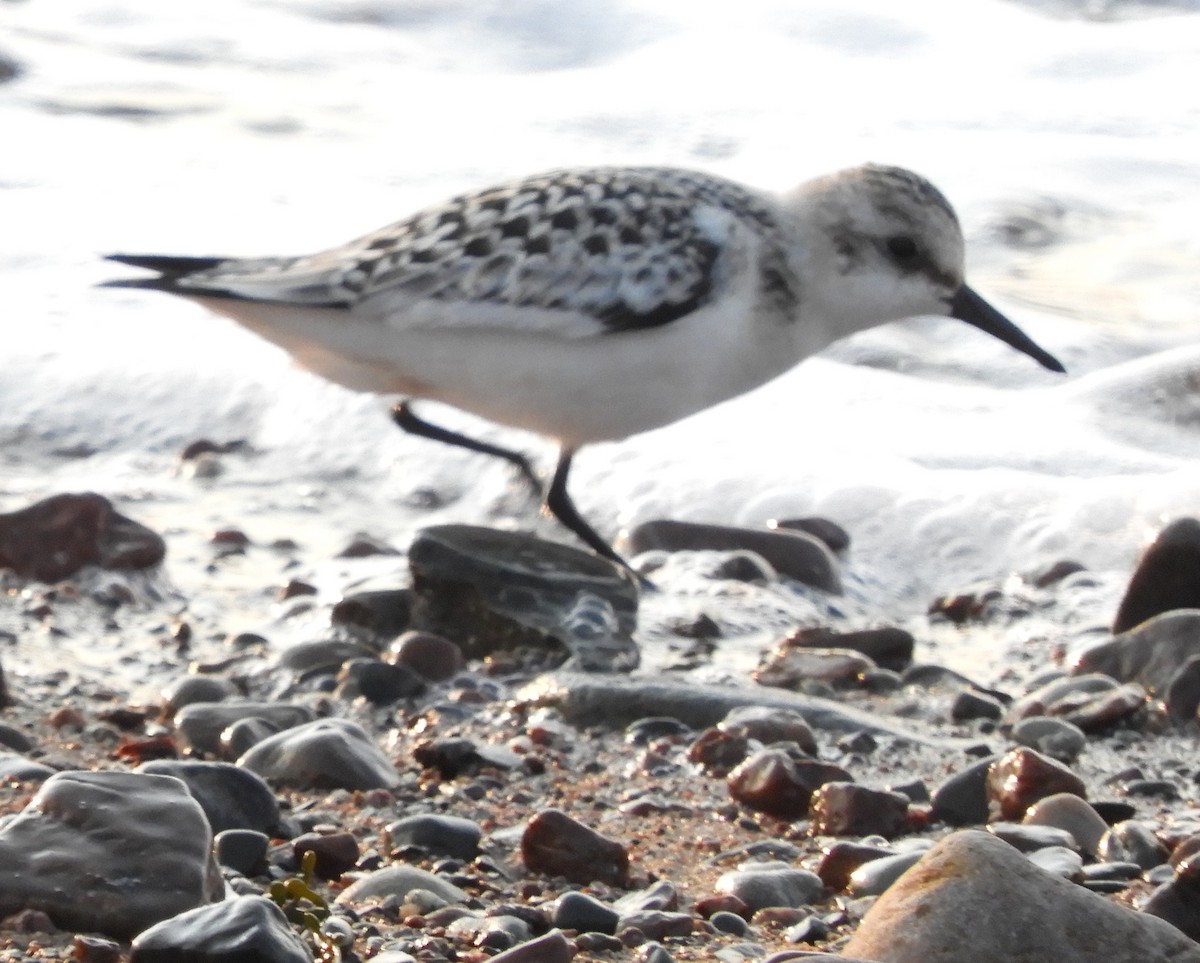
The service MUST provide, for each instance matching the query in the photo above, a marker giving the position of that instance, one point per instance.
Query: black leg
(403, 416)
(561, 507)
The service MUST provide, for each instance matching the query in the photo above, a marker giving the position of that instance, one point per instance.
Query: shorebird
(592, 304)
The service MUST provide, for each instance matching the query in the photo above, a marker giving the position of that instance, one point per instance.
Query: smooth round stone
(811, 929)
(769, 725)
(399, 881)
(1058, 861)
(335, 853)
(245, 928)
(1023, 776)
(429, 655)
(726, 922)
(383, 613)
(1057, 738)
(789, 668)
(1182, 694)
(242, 850)
(380, 683)
(490, 932)
(557, 845)
(327, 753)
(874, 877)
(642, 732)
(232, 798)
(13, 738)
(1068, 812)
(444, 835)
(1165, 578)
(774, 782)
(323, 657)
(1131, 842)
(661, 894)
(969, 705)
(200, 724)
(19, 769)
(551, 948)
(1150, 653)
(1029, 839)
(239, 738)
(196, 688)
(579, 911)
(771, 884)
(842, 858)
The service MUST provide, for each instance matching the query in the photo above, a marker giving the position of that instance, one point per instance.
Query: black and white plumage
(594, 304)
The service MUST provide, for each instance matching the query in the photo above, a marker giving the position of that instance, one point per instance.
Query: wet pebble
(724, 921)
(760, 885)
(768, 725)
(231, 797)
(841, 859)
(238, 739)
(437, 833)
(1056, 738)
(196, 688)
(555, 844)
(17, 768)
(399, 881)
(1021, 777)
(380, 683)
(1150, 653)
(585, 913)
(1182, 693)
(962, 800)
(1030, 838)
(969, 705)
(1166, 576)
(335, 853)
(889, 647)
(1178, 899)
(848, 809)
(788, 668)
(243, 928)
(381, 614)
(1059, 861)
(327, 753)
(108, 851)
(657, 924)
(874, 877)
(774, 782)
(551, 948)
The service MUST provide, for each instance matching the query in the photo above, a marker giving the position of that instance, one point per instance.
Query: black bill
(968, 306)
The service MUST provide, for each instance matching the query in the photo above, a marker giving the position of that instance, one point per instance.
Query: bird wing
(573, 253)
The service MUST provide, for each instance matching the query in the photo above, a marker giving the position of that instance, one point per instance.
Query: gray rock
(381, 683)
(231, 797)
(191, 689)
(109, 851)
(327, 753)
(613, 701)
(760, 885)
(973, 896)
(242, 850)
(19, 769)
(200, 725)
(321, 657)
(1029, 838)
(13, 738)
(1149, 654)
(1057, 738)
(1059, 861)
(445, 835)
(398, 881)
(1043, 700)
(1130, 841)
(962, 799)
(248, 929)
(488, 590)
(551, 948)
(238, 739)
(874, 877)
(1067, 811)
(585, 913)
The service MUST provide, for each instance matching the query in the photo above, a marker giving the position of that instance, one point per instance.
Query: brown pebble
(1166, 578)
(706, 906)
(294, 589)
(843, 858)
(1021, 777)
(429, 655)
(230, 538)
(717, 751)
(95, 949)
(848, 809)
(555, 844)
(28, 921)
(772, 781)
(336, 852)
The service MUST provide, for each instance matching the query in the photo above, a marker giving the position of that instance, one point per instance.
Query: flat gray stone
(109, 851)
(973, 897)
(200, 724)
(325, 754)
(247, 929)
(397, 881)
(1149, 654)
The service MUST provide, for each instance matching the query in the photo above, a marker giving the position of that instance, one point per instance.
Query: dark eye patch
(902, 249)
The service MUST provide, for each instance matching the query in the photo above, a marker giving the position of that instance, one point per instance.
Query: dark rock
(327, 753)
(1105, 710)
(888, 647)
(555, 844)
(196, 688)
(583, 913)
(969, 704)
(789, 667)
(55, 538)
(231, 797)
(382, 614)
(841, 859)
(322, 657)
(242, 850)
(716, 751)
(380, 683)
(831, 533)
(238, 739)
(1182, 695)
(489, 591)
(1029, 838)
(769, 725)
(731, 923)
(974, 897)
(1166, 578)
(19, 769)
(366, 546)
(551, 948)
(794, 554)
(335, 853)
(962, 800)
(200, 724)
(847, 809)
(1178, 900)
(1021, 777)
(1055, 573)
(1131, 842)
(15, 739)
(774, 782)
(435, 833)
(108, 851)
(642, 732)
(430, 656)
(246, 929)
(658, 924)
(453, 757)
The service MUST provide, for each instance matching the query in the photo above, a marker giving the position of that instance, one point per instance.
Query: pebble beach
(918, 675)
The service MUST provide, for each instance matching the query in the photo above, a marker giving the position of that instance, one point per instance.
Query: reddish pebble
(772, 782)
(555, 844)
(721, 903)
(843, 858)
(68, 717)
(1021, 777)
(336, 852)
(717, 752)
(95, 949)
(230, 538)
(429, 655)
(847, 809)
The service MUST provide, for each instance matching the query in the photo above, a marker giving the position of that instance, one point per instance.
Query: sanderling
(594, 304)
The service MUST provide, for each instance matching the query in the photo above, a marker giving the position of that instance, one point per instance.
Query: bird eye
(902, 249)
